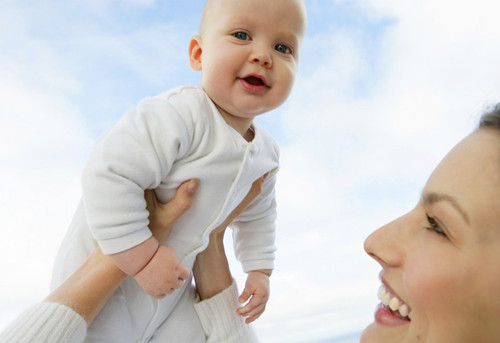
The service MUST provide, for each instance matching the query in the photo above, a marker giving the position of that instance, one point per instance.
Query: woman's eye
(241, 35)
(283, 49)
(434, 226)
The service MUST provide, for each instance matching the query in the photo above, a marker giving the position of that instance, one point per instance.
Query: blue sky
(385, 89)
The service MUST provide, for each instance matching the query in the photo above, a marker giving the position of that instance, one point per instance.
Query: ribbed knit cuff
(220, 321)
(46, 322)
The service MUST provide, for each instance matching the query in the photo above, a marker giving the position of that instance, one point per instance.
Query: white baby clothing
(162, 142)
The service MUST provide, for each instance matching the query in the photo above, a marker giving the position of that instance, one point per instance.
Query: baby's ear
(195, 53)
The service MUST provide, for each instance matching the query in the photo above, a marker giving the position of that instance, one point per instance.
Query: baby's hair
(491, 118)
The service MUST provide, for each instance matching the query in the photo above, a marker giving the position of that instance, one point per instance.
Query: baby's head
(247, 52)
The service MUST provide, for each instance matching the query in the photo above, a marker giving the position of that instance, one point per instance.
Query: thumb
(245, 295)
(183, 198)
(183, 272)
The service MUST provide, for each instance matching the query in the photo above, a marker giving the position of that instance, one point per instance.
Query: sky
(385, 88)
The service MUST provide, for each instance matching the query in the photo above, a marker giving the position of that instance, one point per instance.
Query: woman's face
(441, 261)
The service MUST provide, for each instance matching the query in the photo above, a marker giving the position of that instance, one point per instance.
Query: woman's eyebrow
(432, 198)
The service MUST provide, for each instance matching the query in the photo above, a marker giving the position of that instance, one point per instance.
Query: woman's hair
(491, 118)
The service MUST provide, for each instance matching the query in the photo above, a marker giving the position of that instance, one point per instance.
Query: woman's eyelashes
(434, 226)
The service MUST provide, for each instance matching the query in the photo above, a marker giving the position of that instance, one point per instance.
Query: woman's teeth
(390, 301)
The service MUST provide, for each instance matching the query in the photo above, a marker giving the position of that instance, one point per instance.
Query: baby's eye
(283, 49)
(434, 226)
(241, 35)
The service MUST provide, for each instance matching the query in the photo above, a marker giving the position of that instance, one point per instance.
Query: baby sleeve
(134, 155)
(254, 230)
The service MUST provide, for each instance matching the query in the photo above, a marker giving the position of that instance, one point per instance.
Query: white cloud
(102, 5)
(43, 142)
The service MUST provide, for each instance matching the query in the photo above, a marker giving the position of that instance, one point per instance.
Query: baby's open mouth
(254, 80)
(393, 304)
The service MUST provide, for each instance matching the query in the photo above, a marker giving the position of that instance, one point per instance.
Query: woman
(65, 314)
(440, 262)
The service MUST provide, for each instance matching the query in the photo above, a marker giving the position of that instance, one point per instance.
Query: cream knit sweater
(56, 323)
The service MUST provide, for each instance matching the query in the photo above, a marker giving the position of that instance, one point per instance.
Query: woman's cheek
(430, 281)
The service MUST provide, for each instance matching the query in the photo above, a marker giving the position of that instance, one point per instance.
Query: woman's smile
(391, 306)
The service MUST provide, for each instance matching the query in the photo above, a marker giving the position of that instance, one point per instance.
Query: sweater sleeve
(46, 322)
(254, 230)
(134, 155)
(220, 321)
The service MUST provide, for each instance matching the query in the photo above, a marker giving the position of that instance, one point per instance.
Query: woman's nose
(387, 244)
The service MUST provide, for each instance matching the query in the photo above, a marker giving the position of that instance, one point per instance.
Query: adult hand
(88, 289)
(163, 216)
(211, 269)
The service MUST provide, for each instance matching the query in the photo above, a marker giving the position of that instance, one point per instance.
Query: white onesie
(164, 141)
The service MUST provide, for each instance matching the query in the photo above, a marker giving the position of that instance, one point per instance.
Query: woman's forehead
(470, 174)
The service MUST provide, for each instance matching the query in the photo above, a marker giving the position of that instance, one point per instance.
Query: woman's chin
(369, 334)
(376, 333)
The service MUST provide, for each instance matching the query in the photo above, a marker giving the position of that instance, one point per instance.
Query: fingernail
(192, 186)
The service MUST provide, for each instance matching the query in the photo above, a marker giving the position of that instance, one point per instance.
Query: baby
(247, 53)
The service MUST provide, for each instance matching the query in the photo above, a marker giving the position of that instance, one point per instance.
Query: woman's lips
(392, 310)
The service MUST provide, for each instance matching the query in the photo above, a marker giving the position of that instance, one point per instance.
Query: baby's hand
(257, 290)
(163, 274)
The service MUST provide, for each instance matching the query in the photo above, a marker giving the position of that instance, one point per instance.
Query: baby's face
(250, 53)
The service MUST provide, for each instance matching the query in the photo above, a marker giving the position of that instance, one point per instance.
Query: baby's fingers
(245, 295)
(252, 312)
(183, 272)
(254, 317)
(255, 302)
